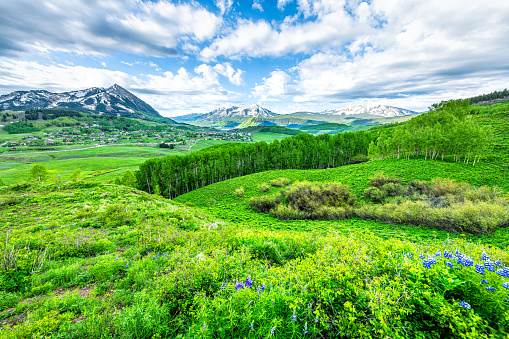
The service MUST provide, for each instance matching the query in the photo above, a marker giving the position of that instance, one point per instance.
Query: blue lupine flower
(449, 264)
(239, 286)
(250, 302)
(498, 263)
(489, 265)
(251, 327)
(484, 281)
(458, 254)
(264, 286)
(426, 264)
(157, 255)
(491, 288)
(204, 327)
(479, 269)
(126, 265)
(437, 254)
(447, 255)
(223, 285)
(249, 282)
(505, 285)
(464, 304)
(305, 329)
(272, 331)
(465, 261)
(294, 317)
(316, 319)
(484, 256)
(503, 272)
(422, 257)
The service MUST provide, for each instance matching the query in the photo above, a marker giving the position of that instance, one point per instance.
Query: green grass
(268, 137)
(218, 199)
(202, 144)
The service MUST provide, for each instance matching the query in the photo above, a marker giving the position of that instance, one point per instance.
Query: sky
(186, 57)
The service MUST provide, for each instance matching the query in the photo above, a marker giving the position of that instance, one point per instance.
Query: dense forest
(20, 127)
(175, 175)
(490, 97)
(446, 130)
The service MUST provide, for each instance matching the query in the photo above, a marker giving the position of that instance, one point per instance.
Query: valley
(105, 254)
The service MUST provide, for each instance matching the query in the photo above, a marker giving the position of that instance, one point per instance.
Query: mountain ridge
(114, 100)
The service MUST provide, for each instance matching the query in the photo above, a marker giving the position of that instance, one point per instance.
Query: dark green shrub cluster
(265, 203)
(280, 182)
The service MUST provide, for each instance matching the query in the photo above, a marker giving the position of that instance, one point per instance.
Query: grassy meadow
(91, 259)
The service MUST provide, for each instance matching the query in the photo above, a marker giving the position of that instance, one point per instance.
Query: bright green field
(218, 199)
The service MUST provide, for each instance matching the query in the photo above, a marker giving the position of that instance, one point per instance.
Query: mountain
(226, 117)
(380, 110)
(113, 100)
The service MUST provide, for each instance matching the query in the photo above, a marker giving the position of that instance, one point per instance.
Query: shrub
(264, 187)
(280, 182)
(392, 189)
(374, 194)
(265, 203)
(115, 215)
(239, 192)
(306, 196)
(380, 179)
(359, 158)
(284, 212)
(331, 213)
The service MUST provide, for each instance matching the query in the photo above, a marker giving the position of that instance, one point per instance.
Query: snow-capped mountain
(226, 117)
(380, 110)
(113, 100)
(241, 112)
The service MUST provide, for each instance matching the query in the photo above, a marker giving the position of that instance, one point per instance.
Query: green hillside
(94, 260)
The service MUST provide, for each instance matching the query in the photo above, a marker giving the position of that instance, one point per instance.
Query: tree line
(173, 175)
(446, 130)
(490, 97)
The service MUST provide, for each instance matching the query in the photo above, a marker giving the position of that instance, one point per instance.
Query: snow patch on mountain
(380, 110)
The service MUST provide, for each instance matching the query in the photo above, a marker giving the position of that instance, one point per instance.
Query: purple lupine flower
(223, 286)
(479, 269)
(204, 327)
(448, 255)
(498, 263)
(239, 286)
(422, 257)
(484, 256)
(305, 329)
(264, 287)
(489, 288)
(505, 285)
(489, 265)
(251, 327)
(294, 317)
(249, 282)
(464, 304)
(484, 281)
(449, 264)
(272, 331)
(437, 254)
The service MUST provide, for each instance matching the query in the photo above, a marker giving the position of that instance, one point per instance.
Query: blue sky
(286, 55)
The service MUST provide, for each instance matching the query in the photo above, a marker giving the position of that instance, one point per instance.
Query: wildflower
(484, 256)
(505, 285)
(437, 254)
(294, 317)
(204, 327)
(305, 329)
(126, 265)
(239, 286)
(484, 281)
(489, 288)
(264, 286)
(430, 261)
(479, 269)
(448, 255)
(465, 261)
(489, 265)
(251, 327)
(464, 304)
(157, 255)
(422, 257)
(249, 282)
(503, 272)
(223, 286)
(316, 319)
(449, 264)
(272, 331)
(250, 302)
(498, 263)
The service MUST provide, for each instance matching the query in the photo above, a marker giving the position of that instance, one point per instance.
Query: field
(91, 259)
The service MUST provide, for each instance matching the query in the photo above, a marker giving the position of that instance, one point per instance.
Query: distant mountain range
(113, 100)
(254, 115)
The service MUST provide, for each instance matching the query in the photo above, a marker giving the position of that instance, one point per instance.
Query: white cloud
(224, 5)
(281, 4)
(154, 65)
(170, 93)
(273, 88)
(257, 5)
(100, 27)
(127, 63)
(103, 64)
(234, 76)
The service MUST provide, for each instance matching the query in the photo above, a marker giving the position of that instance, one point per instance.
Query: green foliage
(239, 192)
(21, 127)
(280, 182)
(39, 172)
(265, 203)
(264, 187)
(76, 175)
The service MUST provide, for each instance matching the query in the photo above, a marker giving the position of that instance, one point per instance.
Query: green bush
(374, 194)
(265, 203)
(280, 182)
(380, 179)
(263, 187)
(306, 196)
(239, 192)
